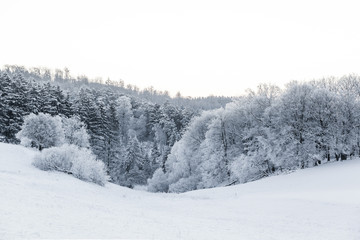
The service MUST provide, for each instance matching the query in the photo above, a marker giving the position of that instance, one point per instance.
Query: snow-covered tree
(41, 131)
(14, 92)
(134, 164)
(124, 113)
(185, 159)
(215, 166)
(75, 132)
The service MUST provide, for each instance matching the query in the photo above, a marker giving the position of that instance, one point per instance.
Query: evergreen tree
(15, 103)
(113, 143)
(33, 98)
(49, 101)
(96, 126)
(5, 83)
(134, 163)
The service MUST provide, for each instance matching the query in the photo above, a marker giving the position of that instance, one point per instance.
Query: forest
(178, 144)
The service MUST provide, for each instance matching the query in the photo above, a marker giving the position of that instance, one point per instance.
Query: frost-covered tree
(253, 136)
(347, 128)
(294, 120)
(41, 131)
(5, 82)
(215, 166)
(49, 102)
(124, 113)
(185, 159)
(75, 132)
(113, 146)
(134, 164)
(14, 92)
(253, 125)
(323, 120)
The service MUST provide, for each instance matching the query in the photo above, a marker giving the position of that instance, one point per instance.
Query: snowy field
(316, 203)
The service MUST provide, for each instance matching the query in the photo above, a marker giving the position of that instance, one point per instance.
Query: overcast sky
(195, 47)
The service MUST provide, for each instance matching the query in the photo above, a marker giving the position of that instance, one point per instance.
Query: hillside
(315, 203)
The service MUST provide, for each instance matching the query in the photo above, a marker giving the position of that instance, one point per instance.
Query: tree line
(181, 144)
(132, 136)
(266, 132)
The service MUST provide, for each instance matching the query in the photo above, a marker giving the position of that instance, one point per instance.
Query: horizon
(197, 48)
(101, 80)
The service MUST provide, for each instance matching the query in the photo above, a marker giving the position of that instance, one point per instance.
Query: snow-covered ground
(317, 203)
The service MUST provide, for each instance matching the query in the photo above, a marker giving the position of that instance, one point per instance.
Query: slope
(316, 203)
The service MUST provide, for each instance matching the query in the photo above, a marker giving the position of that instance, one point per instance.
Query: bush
(183, 185)
(79, 162)
(158, 183)
(55, 158)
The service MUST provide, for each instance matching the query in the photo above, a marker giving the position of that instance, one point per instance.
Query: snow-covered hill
(316, 203)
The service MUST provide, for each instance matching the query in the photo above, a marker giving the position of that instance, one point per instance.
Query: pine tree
(49, 100)
(95, 124)
(112, 138)
(15, 102)
(66, 106)
(124, 113)
(154, 158)
(134, 163)
(33, 98)
(5, 83)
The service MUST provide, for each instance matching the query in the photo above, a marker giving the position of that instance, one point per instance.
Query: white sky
(195, 47)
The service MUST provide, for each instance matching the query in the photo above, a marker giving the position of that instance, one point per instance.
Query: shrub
(183, 185)
(79, 162)
(158, 183)
(55, 158)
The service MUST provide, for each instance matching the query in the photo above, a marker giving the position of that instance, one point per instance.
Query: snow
(316, 203)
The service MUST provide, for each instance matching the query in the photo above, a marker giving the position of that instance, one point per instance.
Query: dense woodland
(131, 130)
(181, 144)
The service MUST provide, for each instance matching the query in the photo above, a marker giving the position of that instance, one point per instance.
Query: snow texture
(315, 203)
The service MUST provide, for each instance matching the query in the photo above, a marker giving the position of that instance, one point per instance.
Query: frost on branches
(79, 162)
(44, 131)
(181, 144)
(41, 131)
(64, 146)
(266, 132)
